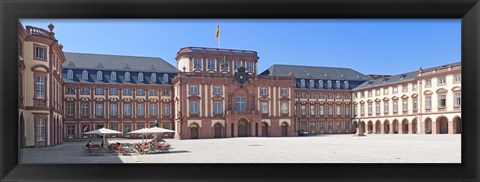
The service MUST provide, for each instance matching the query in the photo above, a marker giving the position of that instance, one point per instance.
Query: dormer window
(99, 75)
(165, 78)
(153, 77)
(70, 74)
(337, 84)
(302, 83)
(114, 76)
(140, 77)
(320, 83)
(312, 83)
(345, 84)
(85, 74)
(329, 83)
(127, 76)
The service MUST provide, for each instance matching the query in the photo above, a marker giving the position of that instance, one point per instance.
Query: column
(382, 128)
(410, 128)
(450, 127)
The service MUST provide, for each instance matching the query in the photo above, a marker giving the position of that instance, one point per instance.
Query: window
(362, 95)
(330, 110)
(166, 109)
(70, 130)
(405, 105)
(320, 110)
(347, 111)
(127, 91)
(339, 126)
(113, 109)
(193, 107)
(395, 106)
(127, 109)
(165, 92)
(264, 107)
(395, 90)
(377, 108)
(404, 88)
(250, 66)
(283, 91)
(345, 83)
(339, 96)
(442, 101)
(113, 91)
(337, 84)
(312, 84)
(330, 96)
(140, 77)
(193, 89)
(153, 92)
(320, 96)
(70, 109)
(329, 84)
(441, 81)
(415, 104)
(320, 83)
(330, 126)
(347, 125)
(428, 83)
(140, 109)
(355, 112)
(211, 64)
(99, 91)
(415, 87)
(263, 91)
(321, 126)
(217, 107)
(377, 92)
(237, 64)
(70, 90)
(127, 128)
(339, 110)
(313, 127)
(113, 76)
(153, 109)
(140, 126)
(241, 106)
(85, 91)
(99, 109)
(153, 77)
(85, 74)
(369, 93)
(303, 110)
(99, 75)
(40, 53)
(312, 110)
(224, 67)
(428, 102)
(113, 126)
(385, 91)
(313, 95)
(302, 83)
(165, 78)
(40, 88)
(457, 99)
(284, 108)
(41, 129)
(370, 108)
(140, 92)
(85, 109)
(457, 78)
(362, 109)
(197, 64)
(70, 74)
(127, 76)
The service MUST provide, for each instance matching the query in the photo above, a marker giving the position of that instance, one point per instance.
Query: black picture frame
(467, 10)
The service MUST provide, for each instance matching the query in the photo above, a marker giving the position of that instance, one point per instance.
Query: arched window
(154, 77)
(165, 78)
(337, 84)
(99, 75)
(85, 75)
(140, 77)
(70, 74)
(127, 76)
(114, 76)
(302, 83)
(329, 83)
(312, 84)
(320, 83)
(345, 84)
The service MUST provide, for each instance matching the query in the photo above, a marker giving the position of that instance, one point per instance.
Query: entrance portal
(194, 131)
(242, 128)
(218, 130)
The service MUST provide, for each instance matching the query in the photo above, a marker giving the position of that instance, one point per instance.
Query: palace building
(219, 93)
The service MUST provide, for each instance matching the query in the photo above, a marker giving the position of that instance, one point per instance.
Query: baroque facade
(219, 93)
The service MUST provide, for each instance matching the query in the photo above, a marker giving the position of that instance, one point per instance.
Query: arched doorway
(194, 131)
(428, 126)
(362, 127)
(414, 126)
(284, 129)
(405, 126)
(243, 128)
(21, 133)
(264, 129)
(395, 126)
(355, 124)
(370, 127)
(442, 125)
(386, 127)
(217, 130)
(457, 125)
(378, 127)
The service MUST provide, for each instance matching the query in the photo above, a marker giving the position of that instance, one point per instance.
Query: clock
(241, 76)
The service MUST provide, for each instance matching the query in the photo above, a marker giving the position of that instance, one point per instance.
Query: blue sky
(368, 46)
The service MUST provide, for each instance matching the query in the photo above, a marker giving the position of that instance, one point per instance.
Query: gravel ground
(311, 149)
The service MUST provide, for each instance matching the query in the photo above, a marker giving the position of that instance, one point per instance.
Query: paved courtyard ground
(311, 149)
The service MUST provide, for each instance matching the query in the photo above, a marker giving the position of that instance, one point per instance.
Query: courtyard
(309, 149)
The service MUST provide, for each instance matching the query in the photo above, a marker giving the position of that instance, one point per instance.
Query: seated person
(88, 144)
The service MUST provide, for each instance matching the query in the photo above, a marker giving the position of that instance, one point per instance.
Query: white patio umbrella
(140, 131)
(154, 130)
(103, 131)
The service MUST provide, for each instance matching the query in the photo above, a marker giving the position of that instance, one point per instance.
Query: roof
(315, 72)
(117, 63)
(107, 78)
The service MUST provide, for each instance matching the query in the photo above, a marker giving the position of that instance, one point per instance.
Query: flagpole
(218, 36)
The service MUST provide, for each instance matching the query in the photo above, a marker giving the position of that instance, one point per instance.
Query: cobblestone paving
(310, 149)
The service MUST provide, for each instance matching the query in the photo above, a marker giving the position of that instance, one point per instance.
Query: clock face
(241, 76)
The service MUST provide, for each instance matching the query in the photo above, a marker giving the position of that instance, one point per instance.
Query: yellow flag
(218, 32)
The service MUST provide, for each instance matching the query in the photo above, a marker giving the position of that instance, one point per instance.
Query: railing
(228, 75)
(40, 103)
(40, 32)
